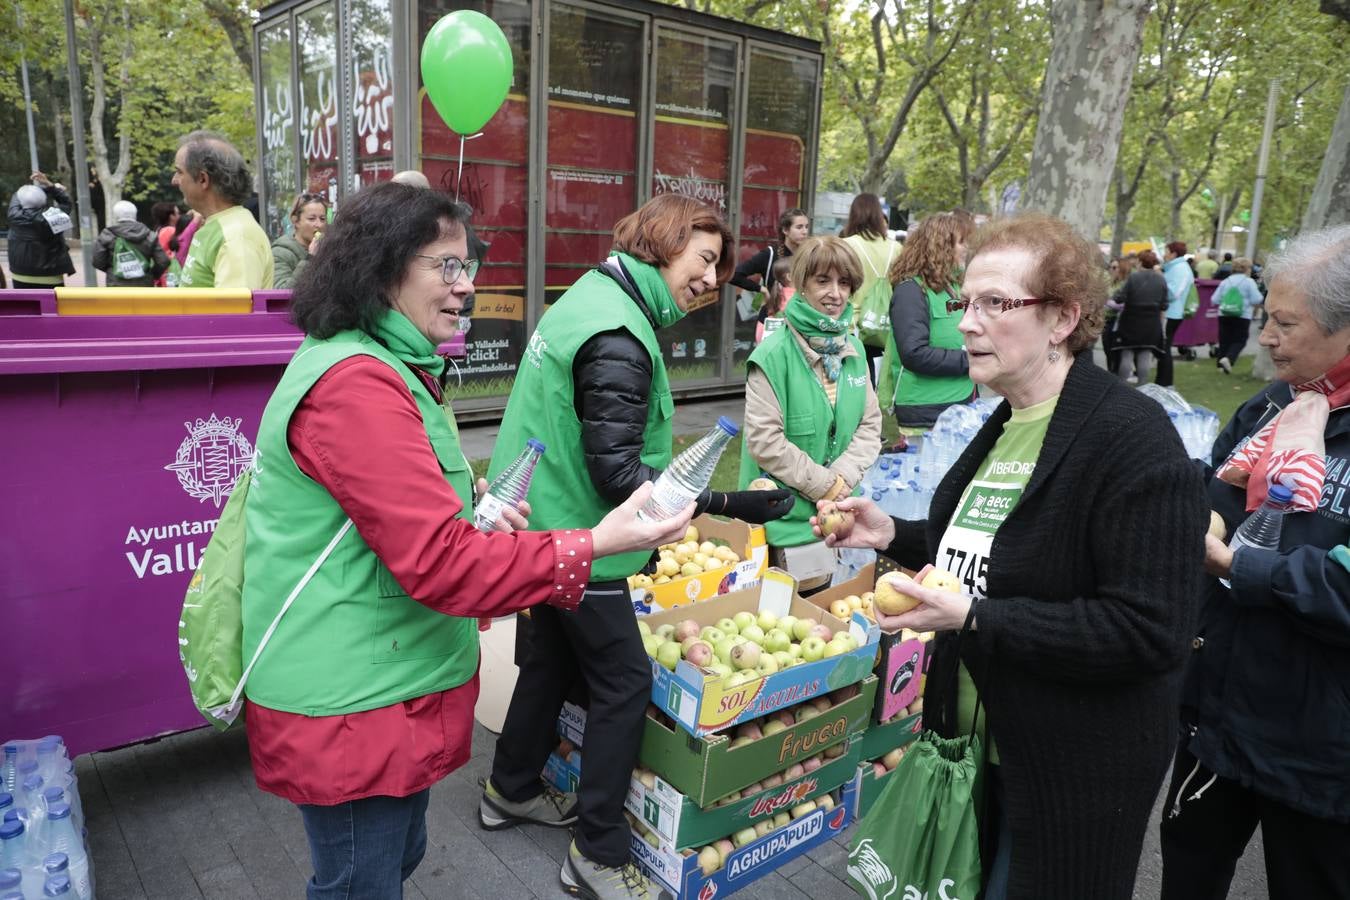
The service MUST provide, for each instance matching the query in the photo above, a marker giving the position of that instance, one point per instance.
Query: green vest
(806, 409)
(911, 388)
(353, 640)
(541, 406)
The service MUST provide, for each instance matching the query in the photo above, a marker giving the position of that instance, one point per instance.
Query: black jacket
(33, 249)
(1267, 697)
(1145, 297)
(761, 265)
(143, 239)
(1078, 650)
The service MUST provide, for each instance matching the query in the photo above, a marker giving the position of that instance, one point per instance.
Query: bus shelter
(610, 104)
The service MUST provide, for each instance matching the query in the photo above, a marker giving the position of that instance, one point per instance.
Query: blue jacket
(1179, 280)
(1267, 695)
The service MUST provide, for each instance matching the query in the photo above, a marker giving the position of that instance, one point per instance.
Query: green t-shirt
(230, 250)
(987, 502)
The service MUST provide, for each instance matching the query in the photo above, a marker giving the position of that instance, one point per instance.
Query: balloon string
(459, 173)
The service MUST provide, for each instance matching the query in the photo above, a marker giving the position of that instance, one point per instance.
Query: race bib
(129, 265)
(57, 221)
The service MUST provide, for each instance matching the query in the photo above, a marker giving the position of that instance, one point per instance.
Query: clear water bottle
(1261, 530)
(9, 769)
(51, 757)
(10, 879)
(508, 488)
(58, 886)
(12, 845)
(62, 837)
(688, 474)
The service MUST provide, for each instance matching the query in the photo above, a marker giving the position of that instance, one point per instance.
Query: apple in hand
(888, 600)
(941, 579)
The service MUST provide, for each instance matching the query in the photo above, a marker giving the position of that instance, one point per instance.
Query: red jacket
(358, 433)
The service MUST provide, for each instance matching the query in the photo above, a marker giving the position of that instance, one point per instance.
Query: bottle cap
(11, 830)
(6, 799)
(52, 793)
(58, 811)
(1281, 494)
(13, 815)
(54, 863)
(728, 426)
(56, 886)
(537, 445)
(12, 895)
(10, 878)
(28, 767)
(11, 748)
(32, 783)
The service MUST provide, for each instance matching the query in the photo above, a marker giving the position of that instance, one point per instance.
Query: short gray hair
(210, 152)
(1320, 260)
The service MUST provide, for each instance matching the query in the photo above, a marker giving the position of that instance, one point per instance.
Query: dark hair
(365, 255)
(211, 153)
(965, 223)
(865, 218)
(1066, 267)
(929, 253)
(660, 229)
(1228, 257)
(1177, 247)
(303, 200)
(1148, 259)
(785, 222)
(162, 212)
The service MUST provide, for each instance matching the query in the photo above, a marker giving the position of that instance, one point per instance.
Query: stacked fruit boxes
(745, 763)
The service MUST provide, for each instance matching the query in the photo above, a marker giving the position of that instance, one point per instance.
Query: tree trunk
(1121, 223)
(1330, 203)
(1087, 84)
(110, 179)
(64, 173)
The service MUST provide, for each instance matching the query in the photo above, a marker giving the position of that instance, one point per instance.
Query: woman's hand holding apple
(938, 609)
(870, 529)
(1218, 557)
(622, 531)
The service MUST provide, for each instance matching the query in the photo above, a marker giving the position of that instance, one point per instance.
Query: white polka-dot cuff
(572, 555)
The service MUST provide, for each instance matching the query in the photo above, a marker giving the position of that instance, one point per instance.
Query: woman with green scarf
(593, 387)
(812, 423)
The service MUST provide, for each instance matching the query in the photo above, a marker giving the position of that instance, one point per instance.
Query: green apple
(652, 643)
(773, 726)
(786, 624)
(783, 658)
(835, 648)
(753, 632)
(813, 648)
(767, 620)
(776, 639)
(665, 631)
(744, 836)
(722, 649)
(742, 619)
(781, 819)
(712, 634)
(803, 809)
(846, 638)
(643, 628)
(745, 656)
(795, 649)
(801, 629)
(668, 655)
(767, 665)
(742, 741)
(728, 626)
(763, 827)
(745, 676)
(709, 860)
(721, 668)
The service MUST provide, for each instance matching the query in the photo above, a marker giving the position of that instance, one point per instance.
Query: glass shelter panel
(372, 85)
(495, 183)
(778, 129)
(278, 125)
(593, 101)
(320, 132)
(695, 79)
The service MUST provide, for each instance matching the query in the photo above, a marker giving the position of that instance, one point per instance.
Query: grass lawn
(1200, 382)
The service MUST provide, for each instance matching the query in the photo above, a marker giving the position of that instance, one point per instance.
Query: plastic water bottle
(63, 838)
(58, 886)
(1261, 530)
(12, 845)
(508, 488)
(688, 474)
(51, 757)
(10, 879)
(9, 769)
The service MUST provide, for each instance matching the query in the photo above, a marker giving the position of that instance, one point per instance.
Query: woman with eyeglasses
(364, 696)
(593, 387)
(1074, 524)
(291, 252)
(924, 368)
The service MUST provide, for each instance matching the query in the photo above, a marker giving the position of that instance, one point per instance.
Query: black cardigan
(1092, 589)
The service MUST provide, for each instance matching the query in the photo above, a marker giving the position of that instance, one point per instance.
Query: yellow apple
(691, 534)
(942, 580)
(888, 600)
(854, 601)
(690, 569)
(840, 609)
(1217, 526)
(762, 484)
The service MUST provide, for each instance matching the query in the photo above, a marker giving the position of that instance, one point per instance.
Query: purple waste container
(1203, 327)
(122, 437)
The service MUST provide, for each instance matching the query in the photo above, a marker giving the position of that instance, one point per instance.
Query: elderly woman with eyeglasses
(1074, 524)
(363, 698)
(290, 252)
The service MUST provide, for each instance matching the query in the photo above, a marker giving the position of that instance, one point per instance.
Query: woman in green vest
(363, 697)
(925, 368)
(593, 387)
(812, 423)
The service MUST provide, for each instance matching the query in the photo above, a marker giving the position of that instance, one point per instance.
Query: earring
(1054, 355)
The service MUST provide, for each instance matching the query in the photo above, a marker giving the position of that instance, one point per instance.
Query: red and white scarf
(1290, 449)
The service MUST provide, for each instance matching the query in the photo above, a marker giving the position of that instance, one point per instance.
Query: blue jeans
(996, 879)
(365, 849)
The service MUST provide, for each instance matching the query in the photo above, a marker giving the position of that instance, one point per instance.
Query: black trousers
(1164, 376)
(1233, 332)
(1306, 858)
(600, 644)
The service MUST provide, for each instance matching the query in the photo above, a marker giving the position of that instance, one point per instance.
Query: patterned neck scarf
(824, 335)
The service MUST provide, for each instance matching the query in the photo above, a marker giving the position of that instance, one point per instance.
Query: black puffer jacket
(33, 249)
(1267, 693)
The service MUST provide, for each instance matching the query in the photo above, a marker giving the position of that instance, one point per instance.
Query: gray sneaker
(592, 881)
(552, 808)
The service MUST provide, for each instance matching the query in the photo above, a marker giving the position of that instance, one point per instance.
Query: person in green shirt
(230, 249)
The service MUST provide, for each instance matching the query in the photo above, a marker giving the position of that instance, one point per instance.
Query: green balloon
(466, 67)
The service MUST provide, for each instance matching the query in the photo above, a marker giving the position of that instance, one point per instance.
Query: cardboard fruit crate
(881, 739)
(747, 540)
(678, 873)
(702, 703)
(706, 769)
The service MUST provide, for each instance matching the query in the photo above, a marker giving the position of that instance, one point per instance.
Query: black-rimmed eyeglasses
(452, 266)
(992, 307)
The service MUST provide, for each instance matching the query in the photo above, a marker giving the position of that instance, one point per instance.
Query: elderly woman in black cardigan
(1075, 524)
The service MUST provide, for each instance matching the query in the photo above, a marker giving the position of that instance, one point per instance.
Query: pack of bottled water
(43, 846)
(1197, 425)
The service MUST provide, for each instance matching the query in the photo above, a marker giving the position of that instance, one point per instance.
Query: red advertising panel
(320, 131)
(372, 125)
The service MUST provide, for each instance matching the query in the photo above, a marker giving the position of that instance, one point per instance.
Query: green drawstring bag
(922, 838)
(1192, 302)
(211, 625)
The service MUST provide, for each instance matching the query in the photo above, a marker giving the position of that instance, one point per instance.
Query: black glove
(748, 506)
